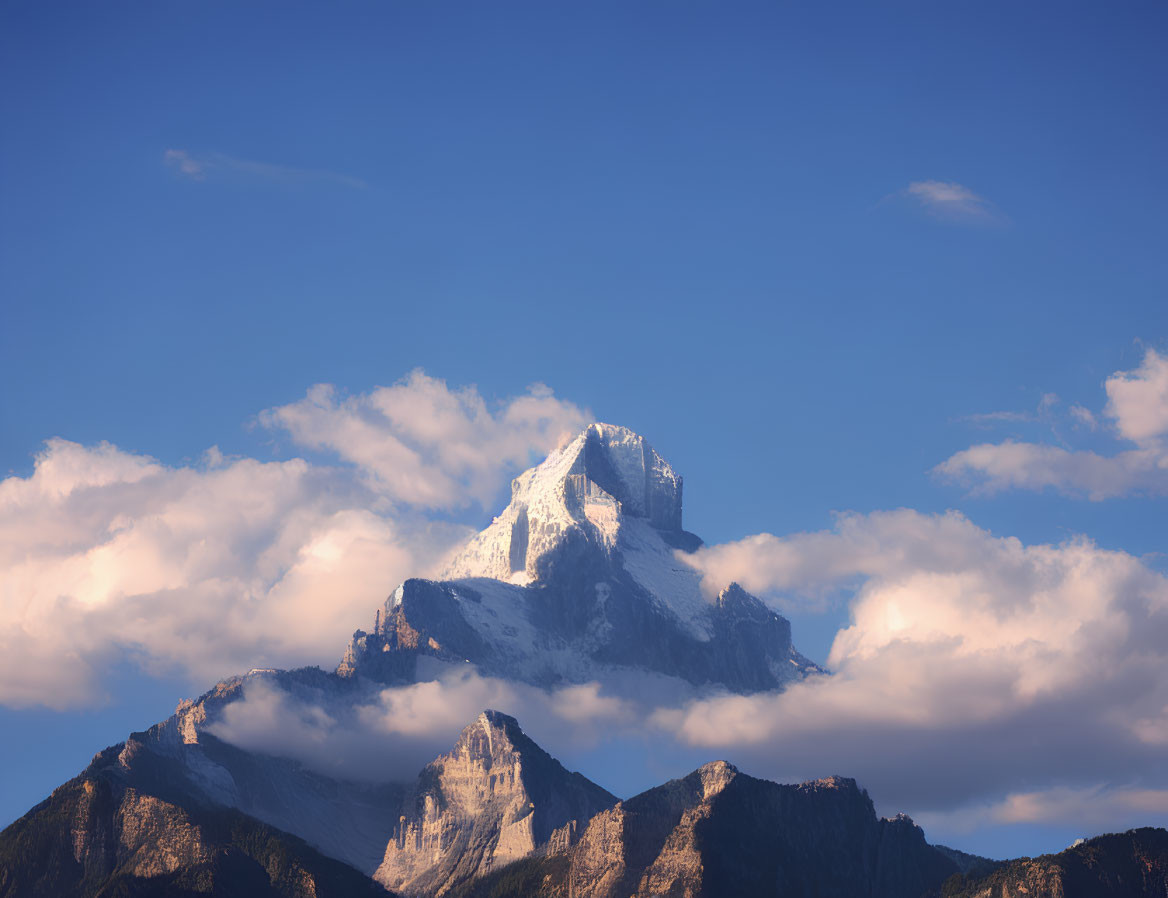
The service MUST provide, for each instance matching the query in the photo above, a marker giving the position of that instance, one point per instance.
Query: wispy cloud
(200, 167)
(183, 163)
(1042, 413)
(1137, 411)
(950, 201)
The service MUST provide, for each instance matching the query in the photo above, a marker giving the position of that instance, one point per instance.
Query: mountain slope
(98, 836)
(184, 760)
(578, 579)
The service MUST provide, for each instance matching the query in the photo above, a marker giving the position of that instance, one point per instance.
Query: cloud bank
(1136, 412)
(214, 568)
(973, 666)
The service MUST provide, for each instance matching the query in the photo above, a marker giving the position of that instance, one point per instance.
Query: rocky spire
(495, 798)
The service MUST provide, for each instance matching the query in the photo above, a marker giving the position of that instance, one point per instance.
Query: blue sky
(697, 220)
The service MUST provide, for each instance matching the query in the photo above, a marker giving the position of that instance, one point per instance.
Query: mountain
(719, 832)
(1133, 864)
(496, 798)
(158, 815)
(578, 580)
(183, 759)
(497, 816)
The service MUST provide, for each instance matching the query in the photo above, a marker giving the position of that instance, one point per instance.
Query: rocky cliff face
(496, 798)
(718, 832)
(579, 578)
(1133, 864)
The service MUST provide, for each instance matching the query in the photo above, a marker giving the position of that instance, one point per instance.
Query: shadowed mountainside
(96, 836)
(718, 832)
(1133, 864)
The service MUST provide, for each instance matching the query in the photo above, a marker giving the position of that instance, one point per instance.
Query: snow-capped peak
(606, 474)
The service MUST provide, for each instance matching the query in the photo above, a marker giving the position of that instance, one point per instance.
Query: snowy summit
(577, 579)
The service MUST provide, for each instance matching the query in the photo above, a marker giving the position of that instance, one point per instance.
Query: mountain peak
(585, 489)
(715, 776)
(493, 734)
(496, 798)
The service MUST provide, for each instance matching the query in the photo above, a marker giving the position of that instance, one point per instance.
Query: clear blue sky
(694, 219)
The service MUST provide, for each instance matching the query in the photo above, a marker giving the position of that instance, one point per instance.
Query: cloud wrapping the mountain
(1137, 407)
(217, 567)
(974, 665)
(389, 734)
(980, 679)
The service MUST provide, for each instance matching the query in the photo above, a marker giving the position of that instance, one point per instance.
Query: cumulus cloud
(214, 568)
(1137, 409)
(206, 570)
(422, 443)
(973, 665)
(950, 201)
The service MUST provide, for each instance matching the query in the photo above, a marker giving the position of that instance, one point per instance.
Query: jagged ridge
(719, 832)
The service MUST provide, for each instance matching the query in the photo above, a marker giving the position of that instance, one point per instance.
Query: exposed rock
(96, 836)
(719, 832)
(494, 799)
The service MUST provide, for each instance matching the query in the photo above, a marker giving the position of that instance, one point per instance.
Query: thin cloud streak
(199, 167)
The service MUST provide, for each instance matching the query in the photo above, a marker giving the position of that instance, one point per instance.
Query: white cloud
(390, 734)
(422, 443)
(973, 666)
(198, 167)
(1138, 402)
(1137, 406)
(212, 569)
(203, 570)
(950, 200)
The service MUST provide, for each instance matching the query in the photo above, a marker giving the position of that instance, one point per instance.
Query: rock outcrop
(495, 798)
